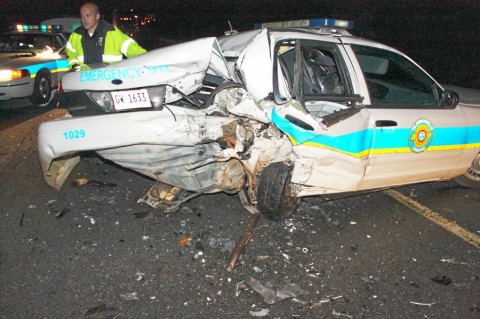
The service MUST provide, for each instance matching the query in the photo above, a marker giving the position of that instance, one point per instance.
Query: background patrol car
(32, 61)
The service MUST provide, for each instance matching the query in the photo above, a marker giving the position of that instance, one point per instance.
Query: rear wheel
(274, 196)
(42, 89)
(471, 178)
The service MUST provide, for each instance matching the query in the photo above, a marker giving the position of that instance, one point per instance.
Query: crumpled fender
(60, 140)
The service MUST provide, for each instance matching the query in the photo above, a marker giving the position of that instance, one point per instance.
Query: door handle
(385, 123)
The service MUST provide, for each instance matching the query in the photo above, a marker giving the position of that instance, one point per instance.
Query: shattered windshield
(26, 42)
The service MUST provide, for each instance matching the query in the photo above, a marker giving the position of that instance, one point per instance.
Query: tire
(42, 89)
(471, 178)
(274, 197)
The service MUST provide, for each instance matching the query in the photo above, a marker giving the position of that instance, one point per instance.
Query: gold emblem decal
(421, 135)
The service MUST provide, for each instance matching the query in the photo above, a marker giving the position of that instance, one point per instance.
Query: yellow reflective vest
(116, 45)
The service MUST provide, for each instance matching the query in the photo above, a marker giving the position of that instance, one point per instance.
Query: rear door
(414, 137)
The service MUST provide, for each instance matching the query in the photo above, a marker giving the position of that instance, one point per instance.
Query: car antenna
(231, 32)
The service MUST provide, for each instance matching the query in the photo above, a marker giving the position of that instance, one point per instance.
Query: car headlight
(8, 75)
(103, 99)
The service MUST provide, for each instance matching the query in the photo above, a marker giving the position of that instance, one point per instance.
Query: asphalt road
(93, 252)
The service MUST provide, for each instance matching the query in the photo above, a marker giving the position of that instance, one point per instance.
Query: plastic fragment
(273, 293)
(140, 275)
(185, 240)
(129, 296)
(60, 213)
(215, 241)
(422, 303)
(260, 313)
(339, 314)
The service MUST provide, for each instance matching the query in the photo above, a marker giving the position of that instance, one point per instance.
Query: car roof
(236, 42)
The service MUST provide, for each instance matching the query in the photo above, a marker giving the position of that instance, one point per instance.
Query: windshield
(28, 42)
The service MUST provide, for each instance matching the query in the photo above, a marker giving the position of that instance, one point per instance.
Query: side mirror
(449, 99)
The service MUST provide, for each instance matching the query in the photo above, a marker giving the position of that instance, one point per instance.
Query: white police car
(32, 60)
(285, 111)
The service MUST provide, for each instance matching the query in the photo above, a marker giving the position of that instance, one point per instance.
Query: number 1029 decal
(74, 134)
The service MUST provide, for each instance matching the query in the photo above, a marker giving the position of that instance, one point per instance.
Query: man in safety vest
(98, 42)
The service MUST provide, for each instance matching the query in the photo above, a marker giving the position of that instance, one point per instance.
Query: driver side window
(309, 69)
(320, 72)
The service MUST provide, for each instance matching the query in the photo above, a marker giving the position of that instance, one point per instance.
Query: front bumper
(16, 89)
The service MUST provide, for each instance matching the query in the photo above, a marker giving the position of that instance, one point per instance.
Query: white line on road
(426, 212)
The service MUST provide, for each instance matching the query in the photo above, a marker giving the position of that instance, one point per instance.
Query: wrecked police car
(284, 111)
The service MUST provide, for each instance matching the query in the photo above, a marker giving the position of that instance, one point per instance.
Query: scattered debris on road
(272, 292)
(442, 280)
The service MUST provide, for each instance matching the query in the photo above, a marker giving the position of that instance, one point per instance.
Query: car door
(414, 137)
(317, 106)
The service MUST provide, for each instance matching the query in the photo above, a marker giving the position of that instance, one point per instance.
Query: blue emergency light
(311, 23)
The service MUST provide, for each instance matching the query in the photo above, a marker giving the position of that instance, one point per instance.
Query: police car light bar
(42, 27)
(312, 23)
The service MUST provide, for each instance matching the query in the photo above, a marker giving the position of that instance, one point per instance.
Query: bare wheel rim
(44, 88)
(473, 172)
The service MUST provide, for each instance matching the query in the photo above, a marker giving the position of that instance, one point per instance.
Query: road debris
(140, 275)
(92, 220)
(242, 285)
(215, 241)
(86, 181)
(247, 235)
(273, 293)
(185, 240)
(57, 213)
(21, 219)
(129, 296)
(422, 304)
(442, 280)
(100, 312)
(452, 261)
(260, 313)
(340, 314)
(318, 304)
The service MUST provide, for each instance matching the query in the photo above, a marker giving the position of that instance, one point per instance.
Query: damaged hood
(166, 65)
(252, 52)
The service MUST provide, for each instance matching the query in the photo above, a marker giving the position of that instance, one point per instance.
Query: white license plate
(132, 99)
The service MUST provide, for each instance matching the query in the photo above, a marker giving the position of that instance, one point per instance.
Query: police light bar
(41, 27)
(312, 23)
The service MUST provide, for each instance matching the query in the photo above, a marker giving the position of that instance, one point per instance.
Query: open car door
(318, 108)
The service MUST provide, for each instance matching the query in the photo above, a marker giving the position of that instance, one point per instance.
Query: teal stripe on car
(51, 65)
(385, 138)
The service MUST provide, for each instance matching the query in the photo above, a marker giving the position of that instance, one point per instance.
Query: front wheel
(42, 89)
(274, 194)
(471, 178)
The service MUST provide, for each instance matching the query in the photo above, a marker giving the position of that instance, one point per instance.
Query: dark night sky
(442, 35)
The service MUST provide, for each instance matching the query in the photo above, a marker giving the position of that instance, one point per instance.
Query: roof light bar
(42, 27)
(312, 23)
